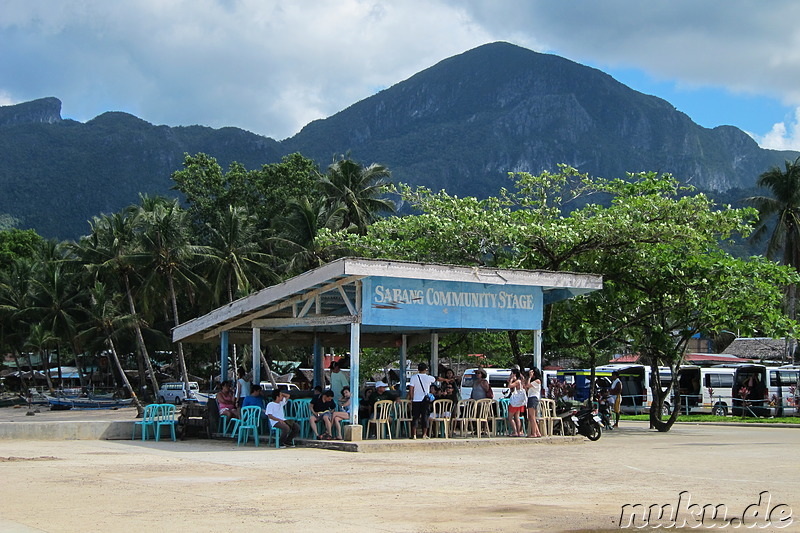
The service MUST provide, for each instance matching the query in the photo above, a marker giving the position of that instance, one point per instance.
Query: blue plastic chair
(146, 422)
(165, 416)
(226, 423)
(249, 422)
(502, 416)
(302, 415)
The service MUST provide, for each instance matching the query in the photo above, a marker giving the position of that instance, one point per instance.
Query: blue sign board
(449, 304)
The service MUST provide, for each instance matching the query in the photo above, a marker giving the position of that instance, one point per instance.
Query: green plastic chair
(301, 414)
(250, 420)
(147, 421)
(165, 416)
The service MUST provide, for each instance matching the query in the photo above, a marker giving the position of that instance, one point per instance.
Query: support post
(256, 355)
(223, 356)
(537, 348)
(318, 370)
(403, 365)
(434, 370)
(355, 355)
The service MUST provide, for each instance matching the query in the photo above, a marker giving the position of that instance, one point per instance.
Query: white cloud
(271, 66)
(783, 137)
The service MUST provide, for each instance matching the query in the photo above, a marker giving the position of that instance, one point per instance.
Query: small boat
(12, 401)
(64, 403)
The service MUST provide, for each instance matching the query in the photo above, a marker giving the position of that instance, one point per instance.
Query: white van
(266, 386)
(173, 392)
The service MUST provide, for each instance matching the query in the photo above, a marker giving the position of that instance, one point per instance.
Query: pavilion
(355, 302)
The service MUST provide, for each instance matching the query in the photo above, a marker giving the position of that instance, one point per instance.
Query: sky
(271, 67)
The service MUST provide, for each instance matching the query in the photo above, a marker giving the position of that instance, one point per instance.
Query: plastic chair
(484, 414)
(548, 418)
(301, 411)
(251, 417)
(381, 419)
(441, 414)
(164, 416)
(401, 413)
(500, 423)
(146, 422)
(465, 415)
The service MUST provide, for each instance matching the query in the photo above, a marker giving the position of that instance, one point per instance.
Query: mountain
(56, 174)
(461, 124)
(466, 122)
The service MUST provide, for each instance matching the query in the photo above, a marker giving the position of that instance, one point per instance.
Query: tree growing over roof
(656, 244)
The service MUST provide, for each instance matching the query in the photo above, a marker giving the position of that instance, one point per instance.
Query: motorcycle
(587, 422)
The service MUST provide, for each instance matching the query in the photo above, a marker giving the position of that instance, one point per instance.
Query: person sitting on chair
(322, 410)
(255, 398)
(226, 401)
(289, 428)
(342, 414)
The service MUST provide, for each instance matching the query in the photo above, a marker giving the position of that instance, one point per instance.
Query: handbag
(518, 398)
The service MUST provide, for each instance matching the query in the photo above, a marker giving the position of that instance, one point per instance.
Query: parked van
(173, 392)
(637, 396)
(750, 394)
(267, 386)
(706, 390)
(782, 389)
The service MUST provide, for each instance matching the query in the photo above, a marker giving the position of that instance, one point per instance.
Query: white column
(355, 355)
(256, 355)
(537, 348)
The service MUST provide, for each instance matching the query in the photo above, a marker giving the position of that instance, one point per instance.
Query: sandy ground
(200, 485)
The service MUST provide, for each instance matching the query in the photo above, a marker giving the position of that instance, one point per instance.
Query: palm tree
(107, 253)
(41, 340)
(15, 302)
(359, 190)
(782, 208)
(56, 302)
(296, 241)
(167, 256)
(234, 256)
(104, 321)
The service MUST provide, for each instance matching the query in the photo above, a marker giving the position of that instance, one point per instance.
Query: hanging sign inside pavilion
(449, 304)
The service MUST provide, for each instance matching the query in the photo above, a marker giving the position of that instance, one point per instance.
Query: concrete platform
(408, 445)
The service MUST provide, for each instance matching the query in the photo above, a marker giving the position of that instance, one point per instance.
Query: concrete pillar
(434, 370)
(223, 356)
(256, 355)
(355, 355)
(537, 348)
(318, 370)
(403, 365)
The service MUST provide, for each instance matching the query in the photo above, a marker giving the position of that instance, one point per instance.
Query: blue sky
(273, 66)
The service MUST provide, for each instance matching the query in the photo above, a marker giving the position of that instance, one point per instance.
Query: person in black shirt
(322, 409)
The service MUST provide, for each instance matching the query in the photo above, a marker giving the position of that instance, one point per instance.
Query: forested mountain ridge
(461, 124)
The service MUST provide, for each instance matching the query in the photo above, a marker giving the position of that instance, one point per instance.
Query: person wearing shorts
(533, 385)
(516, 411)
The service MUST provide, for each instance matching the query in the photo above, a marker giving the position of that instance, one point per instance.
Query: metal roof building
(354, 302)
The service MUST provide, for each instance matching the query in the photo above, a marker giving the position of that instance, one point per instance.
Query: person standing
(615, 397)
(289, 428)
(242, 387)
(338, 380)
(480, 387)
(533, 386)
(517, 404)
(418, 391)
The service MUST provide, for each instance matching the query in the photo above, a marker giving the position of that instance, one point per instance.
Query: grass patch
(713, 418)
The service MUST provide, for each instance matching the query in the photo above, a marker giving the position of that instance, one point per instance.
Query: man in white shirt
(418, 391)
(289, 428)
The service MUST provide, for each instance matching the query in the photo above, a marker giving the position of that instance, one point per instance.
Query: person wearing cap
(418, 390)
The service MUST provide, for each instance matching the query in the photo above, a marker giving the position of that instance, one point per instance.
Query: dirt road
(203, 485)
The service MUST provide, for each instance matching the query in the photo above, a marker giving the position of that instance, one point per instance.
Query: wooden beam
(304, 322)
(286, 303)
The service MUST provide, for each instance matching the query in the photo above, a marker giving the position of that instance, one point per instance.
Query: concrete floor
(202, 485)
